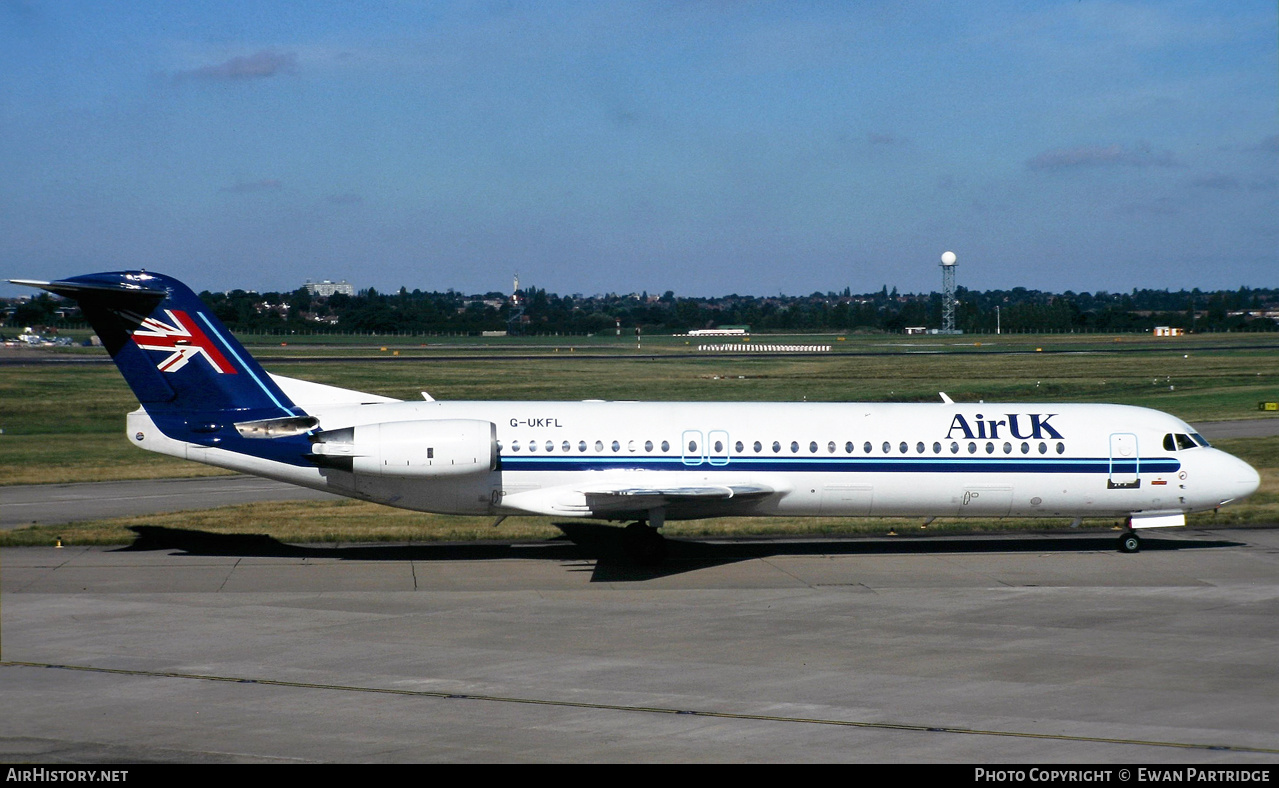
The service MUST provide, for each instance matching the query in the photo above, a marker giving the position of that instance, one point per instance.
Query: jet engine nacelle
(425, 449)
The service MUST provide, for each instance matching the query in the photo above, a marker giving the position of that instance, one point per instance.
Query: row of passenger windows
(887, 447)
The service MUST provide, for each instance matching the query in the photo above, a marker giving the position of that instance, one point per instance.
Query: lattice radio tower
(948, 300)
(515, 317)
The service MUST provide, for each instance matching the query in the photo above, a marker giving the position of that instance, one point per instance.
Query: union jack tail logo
(182, 340)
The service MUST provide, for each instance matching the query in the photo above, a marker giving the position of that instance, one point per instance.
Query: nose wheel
(1130, 543)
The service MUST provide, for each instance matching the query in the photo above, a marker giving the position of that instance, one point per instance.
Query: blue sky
(702, 147)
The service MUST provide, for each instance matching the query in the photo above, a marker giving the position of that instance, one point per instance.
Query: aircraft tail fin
(175, 354)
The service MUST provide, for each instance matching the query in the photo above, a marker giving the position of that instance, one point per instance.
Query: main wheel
(1129, 543)
(644, 545)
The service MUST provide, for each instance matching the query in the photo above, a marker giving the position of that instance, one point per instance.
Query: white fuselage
(622, 460)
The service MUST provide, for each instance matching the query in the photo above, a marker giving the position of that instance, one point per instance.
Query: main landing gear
(1129, 542)
(643, 544)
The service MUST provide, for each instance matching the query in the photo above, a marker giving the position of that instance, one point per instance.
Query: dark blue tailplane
(194, 379)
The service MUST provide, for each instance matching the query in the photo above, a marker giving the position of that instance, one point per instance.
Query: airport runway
(51, 504)
(982, 650)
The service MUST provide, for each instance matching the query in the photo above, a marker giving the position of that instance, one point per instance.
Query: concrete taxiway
(51, 504)
(201, 648)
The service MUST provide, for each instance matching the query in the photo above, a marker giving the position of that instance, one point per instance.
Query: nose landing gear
(1129, 542)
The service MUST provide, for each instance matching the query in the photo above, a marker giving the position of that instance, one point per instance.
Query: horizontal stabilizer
(78, 290)
(307, 394)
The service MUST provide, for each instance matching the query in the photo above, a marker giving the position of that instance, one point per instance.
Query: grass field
(65, 423)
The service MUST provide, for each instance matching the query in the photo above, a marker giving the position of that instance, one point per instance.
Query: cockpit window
(1200, 439)
(1180, 441)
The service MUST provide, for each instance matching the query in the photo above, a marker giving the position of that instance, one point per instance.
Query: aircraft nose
(1249, 479)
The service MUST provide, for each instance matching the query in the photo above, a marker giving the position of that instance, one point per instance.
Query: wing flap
(629, 499)
(626, 497)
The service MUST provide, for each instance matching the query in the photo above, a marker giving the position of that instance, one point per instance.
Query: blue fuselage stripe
(844, 465)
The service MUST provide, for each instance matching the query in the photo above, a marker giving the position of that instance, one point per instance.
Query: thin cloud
(346, 198)
(1101, 156)
(886, 139)
(1216, 181)
(253, 187)
(20, 9)
(260, 65)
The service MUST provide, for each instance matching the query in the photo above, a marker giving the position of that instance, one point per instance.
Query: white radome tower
(948, 293)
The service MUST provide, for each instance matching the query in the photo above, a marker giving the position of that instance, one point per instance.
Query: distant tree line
(539, 312)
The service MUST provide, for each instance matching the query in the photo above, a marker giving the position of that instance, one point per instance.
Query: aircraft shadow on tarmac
(613, 559)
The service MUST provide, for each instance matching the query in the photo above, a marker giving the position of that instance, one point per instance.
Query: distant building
(328, 287)
(725, 331)
(1166, 331)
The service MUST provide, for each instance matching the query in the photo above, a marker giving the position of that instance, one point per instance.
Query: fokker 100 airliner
(204, 398)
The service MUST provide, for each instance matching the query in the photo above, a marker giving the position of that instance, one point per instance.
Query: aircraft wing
(649, 497)
(631, 499)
